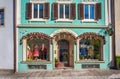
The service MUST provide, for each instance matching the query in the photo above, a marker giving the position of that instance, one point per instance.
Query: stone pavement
(64, 74)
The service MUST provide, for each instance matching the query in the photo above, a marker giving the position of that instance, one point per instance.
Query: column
(24, 41)
(75, 51)
(78, 49)
(51, 50)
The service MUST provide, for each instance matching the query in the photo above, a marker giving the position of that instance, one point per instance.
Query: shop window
(37, 11)
(89, 11)
(1, 17)
(91, 47)
(65, 11)
(37, 49)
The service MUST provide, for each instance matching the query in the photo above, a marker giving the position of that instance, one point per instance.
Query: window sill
(64, 20)
(90, 61)
(39, 20)
(88, 20)
(33, 62)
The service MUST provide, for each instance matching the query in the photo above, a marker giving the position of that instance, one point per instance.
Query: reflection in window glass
(66, 11)
(90, 49)
(92, 12)
(38, 11)
(37, 49)
(61, 10)
(35, 10)
(89, 11)
(41, 6)
(86, 12)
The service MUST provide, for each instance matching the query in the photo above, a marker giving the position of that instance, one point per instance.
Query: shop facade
(62, 33)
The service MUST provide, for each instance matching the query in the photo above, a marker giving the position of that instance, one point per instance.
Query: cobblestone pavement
(64, 74)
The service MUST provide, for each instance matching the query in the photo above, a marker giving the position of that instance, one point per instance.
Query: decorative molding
(58, 26)
(64, 1)
(37, 1)
(63, 30)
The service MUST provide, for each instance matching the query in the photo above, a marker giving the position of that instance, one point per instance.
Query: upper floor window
(89, 11)
(64, 11)
(1, 17)
(37, 11)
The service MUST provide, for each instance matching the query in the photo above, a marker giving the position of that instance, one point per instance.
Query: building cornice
(60, 26)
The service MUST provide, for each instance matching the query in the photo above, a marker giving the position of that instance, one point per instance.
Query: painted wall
(23, 31)
(50, 21)
(6, 36)
(21, 21)
(117, 26)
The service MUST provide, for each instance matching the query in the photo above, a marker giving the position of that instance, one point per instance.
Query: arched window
(35, 47)
(91, 46)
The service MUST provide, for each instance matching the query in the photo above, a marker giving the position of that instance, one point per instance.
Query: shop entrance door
(63, 46)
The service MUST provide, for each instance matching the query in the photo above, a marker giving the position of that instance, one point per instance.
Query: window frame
(89, 3)
(93, 60)
(32, 12)
(3, 18)
(63, 11)
(64, 19)
(37, 19)
(24, 52)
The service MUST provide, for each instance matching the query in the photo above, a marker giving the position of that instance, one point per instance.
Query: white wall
(6, 36)
(117, 25)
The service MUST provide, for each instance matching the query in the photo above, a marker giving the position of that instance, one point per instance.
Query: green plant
(110, 31)
(118, 61)
(56, 60)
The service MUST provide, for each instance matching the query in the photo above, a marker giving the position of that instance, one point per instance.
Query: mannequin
(43, 52)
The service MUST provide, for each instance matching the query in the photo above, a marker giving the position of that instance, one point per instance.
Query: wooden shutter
(55, 10)
(80, 11)
(72, 11)
(98, 11)
(46, 11)
(28, 10)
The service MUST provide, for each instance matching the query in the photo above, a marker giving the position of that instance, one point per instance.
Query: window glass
(35, 10)
(64, 11)
(92, 12)
(61, 10)
(67, 11)
(89, 11)
(86, 12)
(90, 49)
(41, 6)
(37, 49)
